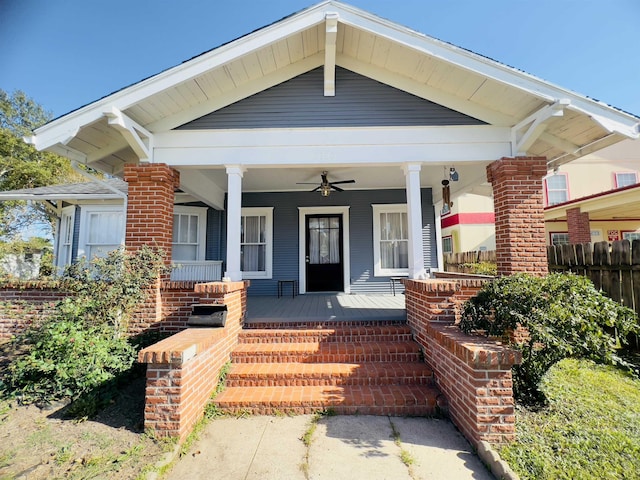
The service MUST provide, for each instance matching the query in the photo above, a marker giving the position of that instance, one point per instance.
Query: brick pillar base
(517, 198)
(578, 225)
(150, 206)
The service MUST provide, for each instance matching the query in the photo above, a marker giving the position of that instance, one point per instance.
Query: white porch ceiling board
(310, 39)
(339, 38)
(192, 92)
(423, 69)
(381, 48)
(401, 60)
(174, 100)
(281, 54)
(236, 71)
(296, 48)
(469, 85)
(207, 85)
(251, 64)
(222, 79)
(351, 40)
(139, 114)
(267, 60)
(365, 47)
(424, 91)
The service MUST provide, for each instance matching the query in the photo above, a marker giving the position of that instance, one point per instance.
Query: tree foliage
(565, 316)
(22, 166)
(79, 352)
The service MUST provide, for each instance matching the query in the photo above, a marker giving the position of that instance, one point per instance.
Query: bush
(564, 315)
(82, 347)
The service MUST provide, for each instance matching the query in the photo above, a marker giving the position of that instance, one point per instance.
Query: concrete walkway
(342, 447)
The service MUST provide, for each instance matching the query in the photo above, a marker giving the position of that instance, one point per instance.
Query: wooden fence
(461, 262)
(613, 268)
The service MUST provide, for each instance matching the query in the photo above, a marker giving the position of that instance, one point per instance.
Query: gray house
(320, 149)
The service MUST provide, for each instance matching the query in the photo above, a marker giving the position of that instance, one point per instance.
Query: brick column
(150, 205)
(519, 215)
(578, 224)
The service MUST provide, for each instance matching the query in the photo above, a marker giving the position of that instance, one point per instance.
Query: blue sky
(67, 53)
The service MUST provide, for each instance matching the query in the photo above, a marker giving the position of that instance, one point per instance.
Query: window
(624, 179)
(189, 233)
(103, 230)
(65, 238)
(560, 238)
(631, 236)
(391, 240)
(447, 244)
(557, 189)
(256, 242)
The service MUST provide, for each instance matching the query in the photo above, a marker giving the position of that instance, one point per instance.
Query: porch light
(325, 190)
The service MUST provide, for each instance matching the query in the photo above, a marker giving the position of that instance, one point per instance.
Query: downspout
(87, 175)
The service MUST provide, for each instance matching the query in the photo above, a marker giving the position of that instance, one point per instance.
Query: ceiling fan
(326, 186)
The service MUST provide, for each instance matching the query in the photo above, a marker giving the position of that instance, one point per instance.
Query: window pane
(625, 179)
(252, 258)
(334, 246)
(252, 230)
(105, 228)
(557, 182)
(184, 229)
(176, 227)
(193, 229)
(557, 197)
(394, 254)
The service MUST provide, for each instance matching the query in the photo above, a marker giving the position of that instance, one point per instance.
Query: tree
(22, 166)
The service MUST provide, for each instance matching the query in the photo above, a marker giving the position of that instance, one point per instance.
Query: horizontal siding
(359, 101)
(286, 243)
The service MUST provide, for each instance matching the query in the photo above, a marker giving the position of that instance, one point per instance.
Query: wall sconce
(453, 174)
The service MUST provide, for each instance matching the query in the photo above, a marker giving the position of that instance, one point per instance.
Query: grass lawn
(590, 429)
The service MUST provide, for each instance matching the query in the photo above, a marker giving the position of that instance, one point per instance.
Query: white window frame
(618, 183)
(85, 212)
(450, 238)
(201, 213)
(566, 188)
(64, 252)
(378, 271)
(635, 235)
(552, 235)
(267, 212)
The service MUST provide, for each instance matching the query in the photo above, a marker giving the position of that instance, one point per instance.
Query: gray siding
(76, 234)
(214, 235)
(359, 101)
(286, 243)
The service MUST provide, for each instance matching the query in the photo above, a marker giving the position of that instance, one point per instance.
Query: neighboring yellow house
(595, 198)
(592, 199)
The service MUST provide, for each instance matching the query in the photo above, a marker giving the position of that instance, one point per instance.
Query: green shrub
(482, 268)
(82, 347)
(565, 316)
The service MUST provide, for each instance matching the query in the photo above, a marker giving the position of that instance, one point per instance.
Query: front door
(324, 255)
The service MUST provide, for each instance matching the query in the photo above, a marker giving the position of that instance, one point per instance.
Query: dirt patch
(40, 443)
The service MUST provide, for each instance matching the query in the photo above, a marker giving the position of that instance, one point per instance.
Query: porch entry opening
(324, 253)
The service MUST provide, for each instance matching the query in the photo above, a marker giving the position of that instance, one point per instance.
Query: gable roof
(545, 119)
(70, 191)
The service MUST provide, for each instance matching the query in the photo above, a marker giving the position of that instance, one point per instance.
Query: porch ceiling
(544, 119)
(471, 176)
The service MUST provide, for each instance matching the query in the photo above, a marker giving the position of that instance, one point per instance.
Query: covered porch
(318, 308)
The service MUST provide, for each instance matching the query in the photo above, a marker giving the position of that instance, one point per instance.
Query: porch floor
(325, 307)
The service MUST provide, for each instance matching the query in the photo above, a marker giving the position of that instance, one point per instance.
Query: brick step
(316, 324)
(362, 333)
(315, 352)
(397, 400)
(318, 374)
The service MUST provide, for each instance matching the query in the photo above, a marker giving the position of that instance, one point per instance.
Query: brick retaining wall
(472, 372)
(183, 370)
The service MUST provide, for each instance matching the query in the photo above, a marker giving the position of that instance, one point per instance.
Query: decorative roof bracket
(525, 133)
(139, 138)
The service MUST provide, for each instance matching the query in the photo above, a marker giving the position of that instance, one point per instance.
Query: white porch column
(414, 219)
(234, 213)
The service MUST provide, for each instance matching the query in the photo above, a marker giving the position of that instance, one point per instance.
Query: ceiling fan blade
(317, 188)
(343, 181)
(337, 189)
(306, 183)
